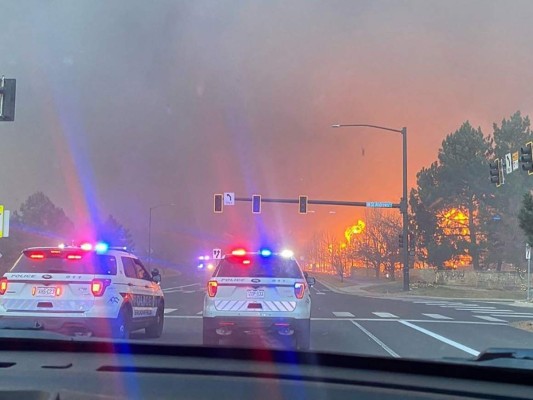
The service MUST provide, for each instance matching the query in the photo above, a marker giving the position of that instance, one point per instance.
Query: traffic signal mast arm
(318, 202)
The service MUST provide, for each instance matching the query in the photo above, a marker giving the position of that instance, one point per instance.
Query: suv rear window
(258, 267)
(90, 263)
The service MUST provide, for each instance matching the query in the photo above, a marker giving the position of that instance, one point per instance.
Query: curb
(357, 292)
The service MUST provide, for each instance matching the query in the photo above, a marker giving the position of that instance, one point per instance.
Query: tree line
(39, 222)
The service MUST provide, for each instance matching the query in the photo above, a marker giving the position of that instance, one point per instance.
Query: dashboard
(54, 369)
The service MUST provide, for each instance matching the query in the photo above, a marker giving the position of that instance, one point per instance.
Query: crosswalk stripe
(343, 314)
(513, 315)
(170, 310)
(453, 305)
(437, 316)
(494, 311)
(487, 318)
(385, 315)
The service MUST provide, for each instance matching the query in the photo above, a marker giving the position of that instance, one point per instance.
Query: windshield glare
(186, 147)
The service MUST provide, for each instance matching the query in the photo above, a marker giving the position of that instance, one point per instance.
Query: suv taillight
(299, 289)
(3, 285)
(212, 287)
(98, 286)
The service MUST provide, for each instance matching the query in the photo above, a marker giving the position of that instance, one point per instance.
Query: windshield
(384, 147)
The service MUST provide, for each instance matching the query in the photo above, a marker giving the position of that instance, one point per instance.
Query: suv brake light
(299, 289)
(37, 256)
(212, 287)
(3, 285)
(98, 286)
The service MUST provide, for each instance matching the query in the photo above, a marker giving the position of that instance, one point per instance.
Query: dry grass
(447, 292)
(525, 325)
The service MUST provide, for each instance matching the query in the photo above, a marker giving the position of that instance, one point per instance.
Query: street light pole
(404, 210)
(150, 232)
(404, 202)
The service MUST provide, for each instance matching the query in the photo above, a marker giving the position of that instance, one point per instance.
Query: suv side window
(129, 267)
(141, 271)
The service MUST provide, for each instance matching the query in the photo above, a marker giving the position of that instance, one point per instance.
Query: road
(399, 327)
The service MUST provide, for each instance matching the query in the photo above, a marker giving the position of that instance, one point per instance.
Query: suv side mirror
(156, 276)
(310, 281)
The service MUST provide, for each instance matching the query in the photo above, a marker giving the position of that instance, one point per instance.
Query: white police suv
(87, 289)
(254, 292)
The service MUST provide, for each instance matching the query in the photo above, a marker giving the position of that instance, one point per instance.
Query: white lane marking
(475, 308)
(180, 287)
(436, 316)
(384, 315)
(428, 302)
(320, 293)
(343, 314)
(375, 339)
(200, 313)
(487, 318)
(441, 338)
(169, 310)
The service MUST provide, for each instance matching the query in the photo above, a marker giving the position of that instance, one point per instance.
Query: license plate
(45, 291)
(255, 294)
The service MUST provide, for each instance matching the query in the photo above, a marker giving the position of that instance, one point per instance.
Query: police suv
(87, 289)
(254, 292)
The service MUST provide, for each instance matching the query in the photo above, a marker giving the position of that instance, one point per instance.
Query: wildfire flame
(356, 229)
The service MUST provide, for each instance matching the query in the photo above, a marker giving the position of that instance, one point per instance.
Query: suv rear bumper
(265, 324)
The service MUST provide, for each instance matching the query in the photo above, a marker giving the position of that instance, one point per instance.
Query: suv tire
(303, 337)
(121, 326)
(155, 330)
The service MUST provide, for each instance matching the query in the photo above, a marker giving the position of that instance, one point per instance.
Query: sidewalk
(387, 289)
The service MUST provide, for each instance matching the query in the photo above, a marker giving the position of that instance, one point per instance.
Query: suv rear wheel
(155, 330)
(303, 337)
(210, 337)
(121, 326)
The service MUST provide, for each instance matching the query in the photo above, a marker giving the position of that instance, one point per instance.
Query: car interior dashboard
(98, 369)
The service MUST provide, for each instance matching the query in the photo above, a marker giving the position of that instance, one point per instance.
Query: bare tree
(378, 244)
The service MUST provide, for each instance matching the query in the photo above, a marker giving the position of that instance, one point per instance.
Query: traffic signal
(7, 99)
(400, 241)
(256, 204)
(302, 200)
(526, 158)
(496, 172)
(219, 203)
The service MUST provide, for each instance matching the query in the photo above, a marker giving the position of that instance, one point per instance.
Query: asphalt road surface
(405, 327)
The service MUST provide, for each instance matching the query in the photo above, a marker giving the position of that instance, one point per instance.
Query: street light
(150, 231)
(403, 202)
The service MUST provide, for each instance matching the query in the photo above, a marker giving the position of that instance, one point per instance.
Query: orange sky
(174, 102)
